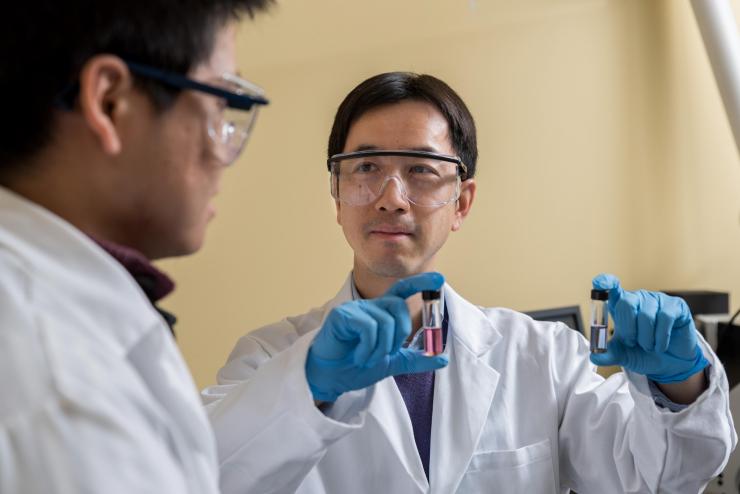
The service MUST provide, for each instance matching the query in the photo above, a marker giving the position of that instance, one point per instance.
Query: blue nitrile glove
(654, 334)
(361, 342)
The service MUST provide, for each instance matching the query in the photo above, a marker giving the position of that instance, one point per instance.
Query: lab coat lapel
(389, 411)
(463, 393)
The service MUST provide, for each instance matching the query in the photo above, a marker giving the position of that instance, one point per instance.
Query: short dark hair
(45, 43)
(394, 87)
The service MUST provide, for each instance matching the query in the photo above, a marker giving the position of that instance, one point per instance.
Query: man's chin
(395, 269)
(185, 247)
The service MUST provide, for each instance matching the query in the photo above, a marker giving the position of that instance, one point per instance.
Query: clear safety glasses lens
(424, 179)
(230, 131)
(231, 128)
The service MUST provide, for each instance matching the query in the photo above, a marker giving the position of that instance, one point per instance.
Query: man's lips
(390, 231)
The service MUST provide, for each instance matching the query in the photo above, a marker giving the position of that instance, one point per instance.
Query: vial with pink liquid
(431, 314)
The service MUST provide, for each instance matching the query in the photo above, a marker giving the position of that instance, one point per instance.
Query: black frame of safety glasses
(462, 170)
(233, 100)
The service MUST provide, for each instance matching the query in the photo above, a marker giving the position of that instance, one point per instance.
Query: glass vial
(431, 313)
(599, 320)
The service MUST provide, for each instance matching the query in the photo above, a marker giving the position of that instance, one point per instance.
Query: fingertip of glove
(605, 281)
(437, 361)
(437, 277)
(418, 361)
(433, 279)
(602, 359)
(434, 363)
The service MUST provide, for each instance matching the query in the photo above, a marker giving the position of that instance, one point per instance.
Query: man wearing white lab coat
(306, 404)
(112, 149)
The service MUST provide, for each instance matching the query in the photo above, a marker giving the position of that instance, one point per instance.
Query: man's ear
(338, 205)
(464, 203)
(106, 85)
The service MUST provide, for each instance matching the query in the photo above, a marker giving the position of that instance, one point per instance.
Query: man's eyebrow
(370, 147)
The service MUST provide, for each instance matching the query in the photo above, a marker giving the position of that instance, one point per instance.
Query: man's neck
(56, 184)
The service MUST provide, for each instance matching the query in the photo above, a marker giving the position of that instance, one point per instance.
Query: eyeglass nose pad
(399, 182)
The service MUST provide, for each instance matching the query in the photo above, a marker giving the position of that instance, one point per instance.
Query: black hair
(394, 87)
(45, 43)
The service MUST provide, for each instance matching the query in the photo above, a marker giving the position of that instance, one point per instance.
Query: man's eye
(423, 169)
(365, 167)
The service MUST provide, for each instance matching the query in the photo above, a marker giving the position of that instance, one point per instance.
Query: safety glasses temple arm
(233, 100)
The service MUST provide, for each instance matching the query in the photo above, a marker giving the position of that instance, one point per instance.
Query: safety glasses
(424, 178)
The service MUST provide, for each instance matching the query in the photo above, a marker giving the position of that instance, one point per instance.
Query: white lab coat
(519, 409)
(94, 395)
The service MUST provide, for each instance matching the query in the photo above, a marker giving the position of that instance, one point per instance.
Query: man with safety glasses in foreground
(306, 405)
(120, 118)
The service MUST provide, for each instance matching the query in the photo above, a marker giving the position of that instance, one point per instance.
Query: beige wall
(603, 147)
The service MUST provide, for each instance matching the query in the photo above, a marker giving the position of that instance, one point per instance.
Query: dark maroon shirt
(155, 284)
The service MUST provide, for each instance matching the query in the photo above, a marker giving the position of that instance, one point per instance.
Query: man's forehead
(423, 136)
(373, 147)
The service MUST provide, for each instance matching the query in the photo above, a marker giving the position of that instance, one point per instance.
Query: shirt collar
(155, 284)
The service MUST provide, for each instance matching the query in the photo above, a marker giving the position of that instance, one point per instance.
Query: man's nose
(392, 195)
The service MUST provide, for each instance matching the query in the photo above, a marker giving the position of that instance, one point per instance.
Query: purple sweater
(418, 394)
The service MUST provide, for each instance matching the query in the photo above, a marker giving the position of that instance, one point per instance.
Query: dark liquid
(598, 339)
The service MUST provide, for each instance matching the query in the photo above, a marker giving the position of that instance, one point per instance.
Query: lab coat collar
(73, 264)
(470, 326)
(345, 294)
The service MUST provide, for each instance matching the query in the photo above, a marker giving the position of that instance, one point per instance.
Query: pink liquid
(433, 341)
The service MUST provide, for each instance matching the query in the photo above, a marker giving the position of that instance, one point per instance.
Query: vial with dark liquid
(431, 314)
(599, 320)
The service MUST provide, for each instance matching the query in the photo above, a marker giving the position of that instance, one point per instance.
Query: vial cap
(430, 294)
(599, 294)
